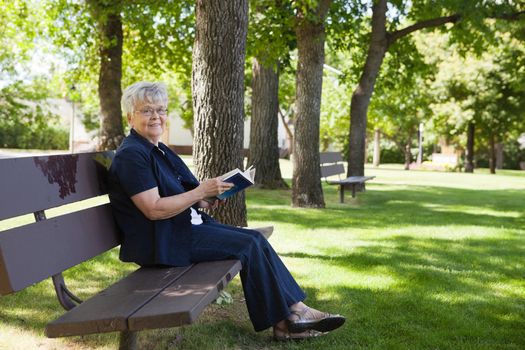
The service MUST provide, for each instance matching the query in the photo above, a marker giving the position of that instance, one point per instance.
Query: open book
(241, 180)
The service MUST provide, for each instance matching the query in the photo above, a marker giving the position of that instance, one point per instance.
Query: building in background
(181, 139)
(176, 135)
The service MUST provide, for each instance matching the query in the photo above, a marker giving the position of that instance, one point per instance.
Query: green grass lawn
(421, 260)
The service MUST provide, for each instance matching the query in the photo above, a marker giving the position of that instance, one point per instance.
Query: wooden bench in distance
(148, 298)
(331, 164)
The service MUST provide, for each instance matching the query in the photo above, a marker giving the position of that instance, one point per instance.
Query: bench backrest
(36, 251)
(330, 164)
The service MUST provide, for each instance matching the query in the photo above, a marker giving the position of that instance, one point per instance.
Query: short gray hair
(142, 92)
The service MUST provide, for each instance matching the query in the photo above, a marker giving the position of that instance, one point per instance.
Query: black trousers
(269, 288)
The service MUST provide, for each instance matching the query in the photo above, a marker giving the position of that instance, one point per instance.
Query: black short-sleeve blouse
(138, 166)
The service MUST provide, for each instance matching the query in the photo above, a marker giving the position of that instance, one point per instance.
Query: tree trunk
(380, 40)
(306, 182)
(469, 164)
(109, 26)
(264, 143)
(408, 155)
(363, 92)
(419, 144)
(218, 95)
(499, 155)
(377, 147)
(492, 155)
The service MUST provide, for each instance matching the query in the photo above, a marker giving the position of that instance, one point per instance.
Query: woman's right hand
(213, 187)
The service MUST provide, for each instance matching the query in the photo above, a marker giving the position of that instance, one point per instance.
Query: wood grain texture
(109, 310)
(184, 300)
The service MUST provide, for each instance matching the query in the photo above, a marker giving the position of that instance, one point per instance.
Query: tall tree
(499, 102)
(218, 95)
(89, 35)
(498, 105)
(380, 40)
(109, 26)
(469, 159)
(480, 96)
(95, 36)
(269, 40)
(310, 32)
(264, 147)
(399, 108)
(402, 120)
(424, 14)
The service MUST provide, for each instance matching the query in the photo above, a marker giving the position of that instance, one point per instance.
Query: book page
(250, 173)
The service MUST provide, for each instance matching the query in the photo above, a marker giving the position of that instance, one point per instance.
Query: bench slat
(148, 298)
(109, 310)
(183, 301)
(330, 157)
(334, 169)
(38, 183)
(31, 253)
(352, 180)
(266, 231)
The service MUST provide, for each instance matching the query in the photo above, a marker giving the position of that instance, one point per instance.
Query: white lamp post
(420, 144)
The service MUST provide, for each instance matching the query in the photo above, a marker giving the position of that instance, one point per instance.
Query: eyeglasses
(148, 112)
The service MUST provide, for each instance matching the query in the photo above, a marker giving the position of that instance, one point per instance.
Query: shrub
(25, 126)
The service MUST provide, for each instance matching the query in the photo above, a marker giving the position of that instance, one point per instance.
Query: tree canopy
(455, 66)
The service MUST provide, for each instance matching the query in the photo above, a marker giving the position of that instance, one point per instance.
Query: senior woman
(156, 201)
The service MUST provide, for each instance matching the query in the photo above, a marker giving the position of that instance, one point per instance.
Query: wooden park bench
(148, 298)
(331, 164)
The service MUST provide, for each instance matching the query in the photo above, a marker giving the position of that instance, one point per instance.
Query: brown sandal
(280, 334)
(326, 323)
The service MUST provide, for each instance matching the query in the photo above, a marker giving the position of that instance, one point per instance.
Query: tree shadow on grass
(424, 206)
(443, 294)
(406, 318)
(392, 318)
(503, 256)
(446, 294)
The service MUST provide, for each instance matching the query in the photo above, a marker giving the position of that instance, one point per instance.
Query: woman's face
(149, 120)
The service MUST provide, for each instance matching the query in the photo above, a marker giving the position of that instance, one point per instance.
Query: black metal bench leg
(128, 340)
(341, 194)
(353, 190)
